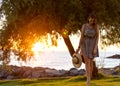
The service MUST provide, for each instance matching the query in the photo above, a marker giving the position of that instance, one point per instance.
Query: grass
(69, 81)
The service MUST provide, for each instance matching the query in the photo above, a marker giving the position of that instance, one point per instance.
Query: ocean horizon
(62, 60)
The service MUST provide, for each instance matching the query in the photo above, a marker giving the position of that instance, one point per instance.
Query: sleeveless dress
(88, 42)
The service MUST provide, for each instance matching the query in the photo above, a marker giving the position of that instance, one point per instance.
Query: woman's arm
(81, 39)
(97, 38)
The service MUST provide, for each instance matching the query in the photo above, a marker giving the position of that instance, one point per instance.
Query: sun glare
(37, 47)
(45, 44)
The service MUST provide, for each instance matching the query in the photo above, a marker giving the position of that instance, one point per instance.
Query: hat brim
(79, 62)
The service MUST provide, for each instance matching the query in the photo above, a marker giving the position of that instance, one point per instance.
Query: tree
(25, 19)
(31, 19)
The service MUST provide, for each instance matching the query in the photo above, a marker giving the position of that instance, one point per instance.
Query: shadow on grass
(27, 82)
(76, 79)
(40, 80)
(93, 84)
(4, 82)
(115, 79)
(30, 81)
(100, 76)
(83, 78)
(16, 82)
(57, 79)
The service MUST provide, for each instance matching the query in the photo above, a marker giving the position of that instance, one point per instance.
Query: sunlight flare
(37, 47)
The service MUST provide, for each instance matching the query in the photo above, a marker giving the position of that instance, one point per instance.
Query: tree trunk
(72, 51)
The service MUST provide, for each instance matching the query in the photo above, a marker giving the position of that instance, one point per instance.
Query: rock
(17, 71)
(116, 73)
(39, 68)
(27, 74)
(10, 77)
(26, 68)
(116, 70)
(82, 72)
(52, 72)
(63, 72)
(74, 72)
(37, 74)
(107, 71)
(2, 74)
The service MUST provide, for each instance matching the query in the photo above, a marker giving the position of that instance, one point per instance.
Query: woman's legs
(89, 68)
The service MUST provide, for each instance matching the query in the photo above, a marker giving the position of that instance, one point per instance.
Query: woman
(88, 45)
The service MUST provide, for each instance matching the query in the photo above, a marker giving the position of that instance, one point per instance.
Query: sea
(59, 58)
(62, 60)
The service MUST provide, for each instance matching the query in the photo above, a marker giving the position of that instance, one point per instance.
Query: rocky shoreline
(15, 72)
(116, 56)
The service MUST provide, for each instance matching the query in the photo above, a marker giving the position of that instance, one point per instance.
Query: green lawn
(69, 81)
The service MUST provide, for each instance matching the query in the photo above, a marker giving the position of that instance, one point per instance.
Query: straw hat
(76, 60)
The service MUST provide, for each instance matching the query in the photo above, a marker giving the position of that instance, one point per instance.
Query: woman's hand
(77, 51)
(94, 51)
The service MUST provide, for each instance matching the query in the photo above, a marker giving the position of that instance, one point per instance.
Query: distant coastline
(116, 56)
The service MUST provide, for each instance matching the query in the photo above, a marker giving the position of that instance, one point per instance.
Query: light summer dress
(88, 42)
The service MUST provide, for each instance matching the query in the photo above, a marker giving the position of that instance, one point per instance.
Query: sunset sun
(37, 47)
